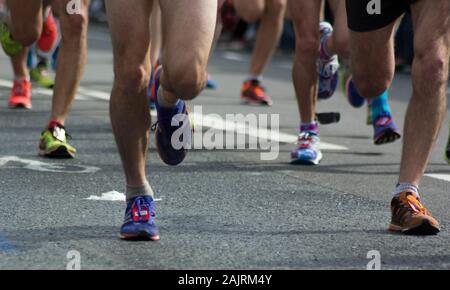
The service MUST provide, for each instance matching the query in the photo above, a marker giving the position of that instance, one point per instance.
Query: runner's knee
(187, 82)
(431, 64)
(371, 86)
(26, 34)
(308, 47)
(250, 13)
(73, 26)
(131, 78)
(276, 7)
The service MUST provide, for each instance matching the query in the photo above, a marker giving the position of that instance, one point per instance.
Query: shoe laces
(43, 69)
(142, 210)
(383, 119)
(58, 131)
(305, 139)
(412, 204)
(258, 90)
(20, 88)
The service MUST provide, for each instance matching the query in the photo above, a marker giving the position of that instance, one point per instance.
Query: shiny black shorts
(368, 15)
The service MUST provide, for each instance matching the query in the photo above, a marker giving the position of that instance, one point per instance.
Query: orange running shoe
(20, 95)
(254, 93)
(49, 34)
(410, 217)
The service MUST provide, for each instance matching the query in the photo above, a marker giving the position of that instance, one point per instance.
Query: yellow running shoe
(53, 143)
(10, 46)
(40, 75)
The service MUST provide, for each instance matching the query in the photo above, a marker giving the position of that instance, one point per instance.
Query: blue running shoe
(385, 129)
(139, 221)
(353, 97)
(152, 90)
(210, 83)
(172, 149)
(328, 66)
(151, 95)
(307, 151)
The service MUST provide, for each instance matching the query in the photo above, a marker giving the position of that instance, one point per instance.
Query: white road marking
(267, 134)
(208, 121)
(47, 167)
(233, 56)
(445, 177)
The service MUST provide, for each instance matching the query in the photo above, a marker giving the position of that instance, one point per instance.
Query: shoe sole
(424, 229)
(20, 106)
(388, 136)
(251, 103)
(141, 236)
(60, 152)
(307, 162)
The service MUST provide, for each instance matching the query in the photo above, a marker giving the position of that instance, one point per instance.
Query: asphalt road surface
(220, 209)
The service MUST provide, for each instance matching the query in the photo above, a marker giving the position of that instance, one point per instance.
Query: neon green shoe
(53, 143)
(40, 75)
(10, 46)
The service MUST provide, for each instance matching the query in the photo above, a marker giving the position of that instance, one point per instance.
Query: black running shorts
(368, 15)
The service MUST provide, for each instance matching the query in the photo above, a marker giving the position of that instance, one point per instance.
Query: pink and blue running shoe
(139, 221)
(328, 65)
(385, 129)
(307, 150)
(172, 151)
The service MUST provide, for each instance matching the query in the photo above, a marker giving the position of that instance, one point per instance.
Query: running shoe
(307, 151)
(385, 129)
(151, 95)
(10, 46)
(328, 66)
(40, 74)
(53, 143)
(171, 150)
(20, 95)
(210, 83)
(49, 34)
(410, 217)
(253, 92)
(139, 221)
(355, 99)
(447, 151)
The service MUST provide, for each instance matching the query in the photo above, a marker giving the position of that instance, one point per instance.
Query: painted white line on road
(444, 177)
(242, 128)
(48, 92)
(214, 122)
(260, 133)
(234, 56)
(99, 95)
(47, 167)
(112, 196)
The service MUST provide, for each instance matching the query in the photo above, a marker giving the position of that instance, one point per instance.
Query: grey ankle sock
(135, 191)
(406, 186)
